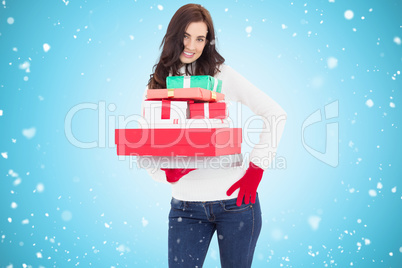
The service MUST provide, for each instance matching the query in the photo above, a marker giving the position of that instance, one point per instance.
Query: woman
(205, 200)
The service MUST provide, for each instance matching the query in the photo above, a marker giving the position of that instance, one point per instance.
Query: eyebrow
(197, 36)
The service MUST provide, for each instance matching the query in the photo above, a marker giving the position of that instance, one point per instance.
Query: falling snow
(17, 181)
(29, 133)
(369, 103)
(10, 20)
(123, 249)
(349, 14)
(46, 47)
(66, 215)
(379, 185)
(144, 222)
(40, 187)
(332, 62)
(25, 66)
(314, 222)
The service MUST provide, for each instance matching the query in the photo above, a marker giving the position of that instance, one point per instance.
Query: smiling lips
(188, 54)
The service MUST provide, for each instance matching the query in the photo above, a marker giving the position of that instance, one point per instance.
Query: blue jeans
(192, 225)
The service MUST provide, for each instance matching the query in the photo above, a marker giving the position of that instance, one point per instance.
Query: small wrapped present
(185, 93)
(211, 110)
(203, 81)
(165, 111)
(186, 123)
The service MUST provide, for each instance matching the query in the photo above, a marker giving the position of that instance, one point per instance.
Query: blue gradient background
(118, 215)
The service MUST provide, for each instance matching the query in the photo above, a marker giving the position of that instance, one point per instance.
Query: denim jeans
(192, 225)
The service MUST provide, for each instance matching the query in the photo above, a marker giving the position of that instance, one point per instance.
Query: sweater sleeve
(156, 174)
(237, 88)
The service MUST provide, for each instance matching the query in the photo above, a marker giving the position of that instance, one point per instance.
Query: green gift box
(203, 81)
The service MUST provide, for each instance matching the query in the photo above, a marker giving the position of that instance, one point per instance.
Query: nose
(190, 45)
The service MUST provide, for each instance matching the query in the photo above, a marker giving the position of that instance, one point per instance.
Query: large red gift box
(208, 110)
(178, 142)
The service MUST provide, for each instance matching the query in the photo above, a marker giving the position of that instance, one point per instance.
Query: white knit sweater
(210, 184)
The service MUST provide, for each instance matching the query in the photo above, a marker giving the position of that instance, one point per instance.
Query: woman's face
(194, 42)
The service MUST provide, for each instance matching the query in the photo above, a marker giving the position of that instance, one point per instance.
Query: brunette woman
(208, 200)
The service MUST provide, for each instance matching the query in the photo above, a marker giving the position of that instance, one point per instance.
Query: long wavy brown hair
(172, 43)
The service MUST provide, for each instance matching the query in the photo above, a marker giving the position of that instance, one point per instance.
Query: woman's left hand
(248, 185)
(174, 174)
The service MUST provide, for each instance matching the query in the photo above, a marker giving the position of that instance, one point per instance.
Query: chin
(186, 61)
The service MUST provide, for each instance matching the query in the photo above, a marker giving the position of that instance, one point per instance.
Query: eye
(186, 37)
(200, 40)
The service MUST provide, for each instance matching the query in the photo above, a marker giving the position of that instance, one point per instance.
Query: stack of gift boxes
(187, 119)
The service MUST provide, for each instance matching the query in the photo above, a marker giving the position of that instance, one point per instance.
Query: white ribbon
(186, 81)
(215, 84)
(206, 110)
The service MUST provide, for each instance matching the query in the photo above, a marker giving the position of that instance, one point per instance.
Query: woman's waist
(207, 184)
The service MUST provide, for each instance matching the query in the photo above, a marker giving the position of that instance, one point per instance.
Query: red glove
(248, 185)
(174, 174)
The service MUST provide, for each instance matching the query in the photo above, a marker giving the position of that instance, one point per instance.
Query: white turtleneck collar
(190, 67)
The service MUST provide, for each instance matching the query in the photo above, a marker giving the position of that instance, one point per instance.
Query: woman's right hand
(174, 174)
